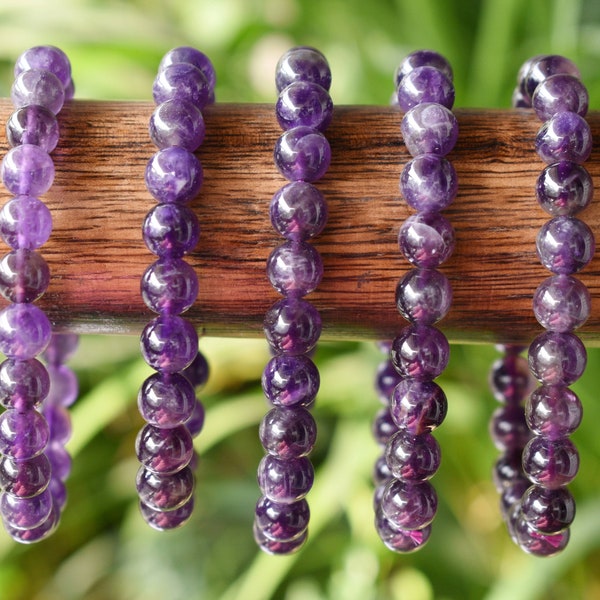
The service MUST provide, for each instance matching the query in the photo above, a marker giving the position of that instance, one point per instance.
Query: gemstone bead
(560, 93)
(282, 522)
(386, 379)
(164, 451)
(59, 422)
(539, 544)
(198, 371)
(564, 188)
(167, 520)
(548, 511)
(383, 427)
(302, 63)
(304, 104)
(422, 58)
(24, 331)
(64, 387)
(27, 170)
(550, 463)
(24, 276)
(23, 435)
(426, 239)
(165, 492)
(188, 54)
(60, 460)
(511, 495)
(33, 124)
(174, 175)
(196, 421)
(557, 358)
(553, 411)
(177, 123)
(46, 58)
(508, 428)
(429, 128)
(423, 296)
(401, 540)
(302, 154)
(23, 384)
(543, 67)
(290, 381)
(285, 481)
(39, 87)
(25, 478)
(25, 513)
(294, 268)
(428, 183)
(381, 473)
(35, 534)
(425, 84)
(276, 547)
(565, 136)
(408, 505)
(510, 380)
(181, 81)
(61, 348)
(25, 222)
(508, 469)
(166, 400)
(171, 230)
(288, 433)
(418, 406)
(413, 457)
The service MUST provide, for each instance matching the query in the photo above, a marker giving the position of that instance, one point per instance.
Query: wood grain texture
(98, 201)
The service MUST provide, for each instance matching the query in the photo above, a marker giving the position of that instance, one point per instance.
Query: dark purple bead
(428, 183)
(23, 384)
(429, 128)
(171, 230)
(164, 451)
(27, 170)
(166, 400)
(423, 296)
(169, 343)
(276, 547)
(420, 352)
(550, 463)
(182, 81)
(409, 505)
(61, 348)
(400, 540)
(24, 331)
(413, 458)
(519, 99)
(539, 544)
(386, 379)
(25, 478)
(302, 154)
(33, 124)
(383, 427)
(64, 386)
(288, 432)
(510, 379)
(198, 371)
(165, 492)
(35, 534)
(282, 522)
(290, 381)
(423, 58)
(169, 286)
(557, 358)
(285, 481)
(292, 326)
(304, 103)
(24, 276)
(177, 123)
(25, 513)
(565, 136)
(548, 511)
(542, 67)
(60, 460)
(59, 422)
(425, 84)
(294, 268)
(508, 428)
(48, 58)
(508, 469)
(381, 472)
(560, 93)
(561, 303)
(302, 63)
(553, 411)
(426, 239)
(25, 222)
(167, 520)
(58, 489)
(418, 406)
(196, 421)
(187, 54)
(564, 188)
(39, 87)
(174, 175)
(511, 495)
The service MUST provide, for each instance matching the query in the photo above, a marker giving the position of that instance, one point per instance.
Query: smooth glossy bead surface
(422, 58)
(64, 387)
(169, 286)
(167, 520)
(508, 469)
(560, 93)
(25, 478)
(181, 81)
(564, 188)
(188, 54)
(565, 136)
(276, 547)
(25, 513)
(510, 380)
(40, 87)
(557, 358)
(59, 422)
(302, 63)
(24, 331)
(383, 427)
(198, 371)
(164, 451)
(165, 492)
(25, 222)
(33, 124)
(418, 406)
(177, 123)
(47, 58)
(423, 296)
(24, 276)
(548, 511)
(426, 239)
(400, 540)
(35, 534)
(294, 268)
(166, 400)
(302, 154)
(23, 384)
(561, 303)
(60, 460)
(290, 381)
(413, 457)
(429, 128)
(425, 84)
(409, 505)
(386, 379)
(61, 348)
(285, 481)
(23, 435)
(288, 432)
(428, 183)
(304, 103)
(539, 544)
(27, 170)
(196, 421)
(171, 230)
(542, 67)
(174, 175)
(508, 428)
(281, 522)
(550, 463)
(553, 411)
(420, 352)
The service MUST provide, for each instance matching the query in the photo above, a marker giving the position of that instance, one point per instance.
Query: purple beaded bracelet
(35, 425)
(405, 500)
(292, 325)
(167, 399)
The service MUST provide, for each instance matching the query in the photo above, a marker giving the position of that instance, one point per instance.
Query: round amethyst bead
(565, 136)
(285, 481)
(23, 384)
(418, 406)
(165, 492)
(35, 534)
(423, 58)
(171, 230)
(508, 428)
(383, 427)
(60, 460)
(25, 513)
(23, 435)
(33, 124)
(295, 268)
(510, 380)
(429, 128)
(428, 183)
(181, 81)
(548, 511)
(409, 505)
(24, 331)
(553, 411)
(550, 463)
(45, 58)
(288, 433)
(277, 547)
(166, 400)
(59, 422)
(64, 388)
(508, 469)
(196, 421)
(564, 188)
(27, 170)
(164, 451)
(25, 222)
(557, 358)
(25, 478)
(24, 276)
(187, 54)
(38, 87)
(174, 175)
(560, 93)
(282, 522)
(539, 68)
(167, 520)
(400, 540)
(177, 123)
(423, 296)
(413, 458)
(302, 154)
(198, 371)
(61, 348)
(386, 379)
(426, 239)
(290, 381)
(302, 63)
(425, 84)
(304, 104)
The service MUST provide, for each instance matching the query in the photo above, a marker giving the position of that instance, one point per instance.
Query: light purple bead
(24, 331)
(167, 520)
(539, 544)
(276, 547)
(25, 222)
(565, 136)
(302, 63)
(61, 348)
(198, 371)
(553, 411)
(413, 458)
(171, 230)
(285, 481)
(35, 534)
(169, 343)
(386, 379)
(24, 276)
(292, 326)
(560, 93)
(409, 505)
(429, 128)
(177, 123)
(426, 239)
(39, 87)
(290, 381)
(550, 463)
(561, 303)
(59, 422)
(542, 67)
(25, 513)
(23, 384)
(25, 478)
(304, 103)
(294, 268)
(164, 451)
(169, 286)
(508, 428)
(557, 358)
(422, 58)
(288, 432)
(302, 154)
(58, 489)
(425, 84)
(418, 406)
(27, 170)
(187, 54)
(383, 427)
(281, 522)
(548, 511)
(182, 81)
(166, 400)
(196, 421)
(510, 379)
(564, 188)
(428, 183)
(64, 386)
(400, 540)
(423, 296)
(60, 460)
(165, 492)
(23, 435)
(298, 211)
(174, 175)
(33, 124)
(48, 58)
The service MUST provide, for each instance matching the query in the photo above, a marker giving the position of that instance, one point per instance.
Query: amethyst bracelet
(405, 500)
(169, 343)
(292, 325)
(35, 425)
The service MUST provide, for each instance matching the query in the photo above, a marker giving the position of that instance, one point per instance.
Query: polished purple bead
(550, 463)
(386, 379)
(542, 67)
(164, 451)
(59, 422)
(24, 276)
(428, 183)
(285, 481)
(196, 421)
(564, 188)
(38, 87)
(166, 400)
(277, 547)
(565, 136)
(511, 495)
(281, 522)
(27, 170)
(537, 543)
(418, 406)
(47, 58)
(23, 384)
(25, 222)
(171, 230)
(561, 303)
(24, 331)
(33, 124)
(302, 63)
(169, 286)
(413, 458)
(25, 513)
(548, 511)
(557, 358)
(177, 123)
(174, 175)
(58, 489)
(425, 84)
(383, 427)
(61, 348)
(423, 58)
(519, 99)
(508, 469)
(165, 492)
(60, 460)
(420, 352)
(292, 326)
(560, 93)
(381, 473)
(187, 54)
(508, 428)
(304, 103)
(198, 371)
(409, 505)
(426, 239)
(64, 386)
(400, 540)
(169, 343)
(429, 128)
(553, 411)
(23, 435)
(181, 81)
(294, 268)
(289, 381)
(35, 534)
(423, 296)
(302, 154)
(288, 432)
(25, 478)
(167, 520)
(298, 211)
(510, 379)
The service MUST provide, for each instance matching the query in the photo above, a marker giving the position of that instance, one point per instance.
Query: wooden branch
(98, 201)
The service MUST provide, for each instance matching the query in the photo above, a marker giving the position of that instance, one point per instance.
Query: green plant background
(102, 549)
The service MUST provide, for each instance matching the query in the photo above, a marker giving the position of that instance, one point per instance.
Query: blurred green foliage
(102, 549)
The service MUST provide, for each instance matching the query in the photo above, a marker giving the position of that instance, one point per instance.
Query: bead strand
(408, 503)
(183, 87)
(31, 499)
(292, 325)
